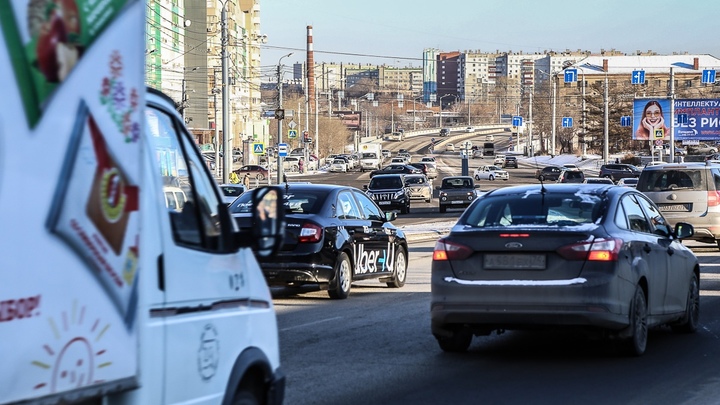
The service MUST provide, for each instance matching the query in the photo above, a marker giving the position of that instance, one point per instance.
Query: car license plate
(457, 202)
(514, 261)
(384, 202)
(675, 207)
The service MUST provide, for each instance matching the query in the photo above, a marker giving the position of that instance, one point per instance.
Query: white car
(499, 160)
(338, 165)
(489, 138)
(418, 187)
(628, 182)
(427, 159)
(450, 147)
(398, 160)
(491, 172)
(469, 129)
(571, 166)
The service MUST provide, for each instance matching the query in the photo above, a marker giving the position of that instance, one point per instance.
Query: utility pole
(280, 115)
(554, 112)
(672, 115)
(606, 131)
(530, 123)
(227, 153)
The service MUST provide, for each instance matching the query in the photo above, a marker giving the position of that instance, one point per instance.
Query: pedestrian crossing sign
(258, 148)
(292, 133)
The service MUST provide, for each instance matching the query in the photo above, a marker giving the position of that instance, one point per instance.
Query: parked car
(450, 147)
(491, 172)
(703, 149)
(571, 176)
(396, 169)
(598, 180)
(428, 169)
(418, 187)
(688, 192)
(589, 257)
(254, 171)
(456, 192)
(231, 191)
(327, 240)
(389, 192)
(510, 161)
(549, 173)
(617, 171)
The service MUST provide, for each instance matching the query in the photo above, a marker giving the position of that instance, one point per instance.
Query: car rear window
(535, 209)
(672, 179)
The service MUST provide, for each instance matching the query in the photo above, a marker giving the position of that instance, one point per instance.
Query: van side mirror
(268, 218)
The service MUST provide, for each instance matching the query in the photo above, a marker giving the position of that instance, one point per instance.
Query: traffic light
(279, 114)
(306, 137)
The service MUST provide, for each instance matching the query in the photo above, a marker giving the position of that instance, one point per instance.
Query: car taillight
(599, 250)
(713, 199)
(310, 233)
(445, 250)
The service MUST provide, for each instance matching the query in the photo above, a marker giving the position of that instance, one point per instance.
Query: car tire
(340, 287)
(477, 177)
(400, 270)
(689, 323)
(458, 342)
(443, 208)
(636, 343)
(260, 176)
(429, 200)
(245, 396)
(491, 178)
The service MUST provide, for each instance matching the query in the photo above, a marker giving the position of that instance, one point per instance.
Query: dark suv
(444, 132)
(510, 161)
(617, 171)
(549, 173)
(389, 192)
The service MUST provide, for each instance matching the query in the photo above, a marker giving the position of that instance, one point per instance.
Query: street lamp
(279, 116)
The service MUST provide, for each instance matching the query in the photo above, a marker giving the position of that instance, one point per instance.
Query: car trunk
(516, 255)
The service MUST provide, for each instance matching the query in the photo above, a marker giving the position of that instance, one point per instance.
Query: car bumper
(601, 301)
(297, 273)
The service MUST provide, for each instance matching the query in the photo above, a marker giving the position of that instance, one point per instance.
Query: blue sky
(363, 30)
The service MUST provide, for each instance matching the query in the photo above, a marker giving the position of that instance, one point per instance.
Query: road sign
(292, 124)
(682, 119)
(708, 76)
(292, 133)
(517, 121)
(283, 149)
(659, 133)
(638, 77)
(567, 122)
(258, 148)
(658, 142)
(626, 121)
(570, 75)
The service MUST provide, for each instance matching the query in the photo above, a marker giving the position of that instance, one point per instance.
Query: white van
(109, 292)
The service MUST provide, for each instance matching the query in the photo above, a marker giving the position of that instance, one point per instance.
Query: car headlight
(398, 194)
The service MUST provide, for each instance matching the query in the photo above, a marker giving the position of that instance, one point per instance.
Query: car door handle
(647, 248)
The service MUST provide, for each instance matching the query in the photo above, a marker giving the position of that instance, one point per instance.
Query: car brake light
(713, 199)
(445, 250)
(599, 250)
(310, 233)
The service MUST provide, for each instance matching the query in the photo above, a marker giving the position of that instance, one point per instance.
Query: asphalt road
(376, 348)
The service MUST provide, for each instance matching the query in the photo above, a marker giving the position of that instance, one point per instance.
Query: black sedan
(597, 257)
(334, 236)
(396, 169)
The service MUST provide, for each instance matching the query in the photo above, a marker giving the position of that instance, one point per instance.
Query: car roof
(594, 188)
(688, 165)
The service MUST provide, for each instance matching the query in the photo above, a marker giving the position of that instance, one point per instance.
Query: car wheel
(295, 168)
(477, 177)
(491, 178)
(690, 321)
(458, 342)
(636, 344)
(245, 397)
(429, 200)
(340, 287)
(400, 271)
(260, 176)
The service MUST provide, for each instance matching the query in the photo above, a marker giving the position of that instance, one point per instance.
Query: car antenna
(543, 190)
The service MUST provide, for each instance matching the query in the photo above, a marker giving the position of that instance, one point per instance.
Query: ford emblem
(513, 245)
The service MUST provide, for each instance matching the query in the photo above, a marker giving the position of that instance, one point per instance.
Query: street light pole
(227, 153)
(279, 119)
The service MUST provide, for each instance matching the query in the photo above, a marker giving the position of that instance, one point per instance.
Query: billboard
(351, 119)
(703, 120)
(651, 119)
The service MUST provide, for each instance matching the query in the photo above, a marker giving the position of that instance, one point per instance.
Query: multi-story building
(185, 49)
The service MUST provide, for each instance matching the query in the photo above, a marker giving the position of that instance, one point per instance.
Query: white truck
(109, 293)
(371, 157)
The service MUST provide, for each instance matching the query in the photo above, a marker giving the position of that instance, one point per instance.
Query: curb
(424, 236)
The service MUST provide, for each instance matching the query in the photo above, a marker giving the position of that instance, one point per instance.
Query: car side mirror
(365, 186)
(390, 216)
(268, 218)
(683, 230)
